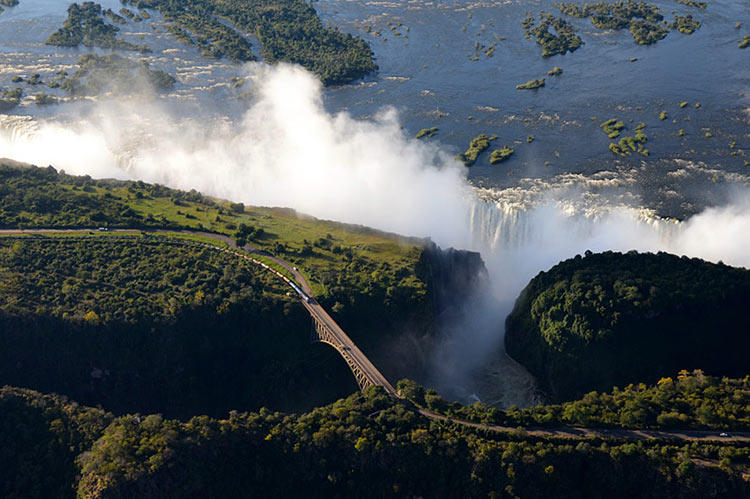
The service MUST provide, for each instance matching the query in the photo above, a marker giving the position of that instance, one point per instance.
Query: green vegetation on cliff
(690, 401)
(288, 30)
(150, 325)
(366, 445)
(328, 252)
(41, 437)
(612, 319)
(122, 278)
(144, 316)
(85, 25)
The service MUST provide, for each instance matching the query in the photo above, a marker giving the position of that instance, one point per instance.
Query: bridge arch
(321, 334)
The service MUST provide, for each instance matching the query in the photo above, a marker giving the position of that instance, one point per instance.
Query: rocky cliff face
(454, 276)
(406, 346)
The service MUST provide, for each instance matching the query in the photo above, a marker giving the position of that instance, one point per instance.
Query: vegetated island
(196, 23)
(611, 319)
(612, 128)
(477, 146)
(641, 18)
(10, 98)
(628, 145)
(85, 26)
(427, 132)
(113, 73)
(556, 71)
(565, 39)
(531, 84)
(645, 33)
(480, 48)
(693, 3)
(745, 43)
(685, 24)
(500, 155)
(43, 99)
(288, 30)
(7, 3)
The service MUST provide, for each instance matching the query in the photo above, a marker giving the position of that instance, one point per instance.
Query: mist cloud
(288, 151)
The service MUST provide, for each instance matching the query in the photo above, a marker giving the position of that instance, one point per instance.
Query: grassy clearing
(325, 252)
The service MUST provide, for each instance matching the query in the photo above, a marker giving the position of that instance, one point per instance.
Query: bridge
(325, 329)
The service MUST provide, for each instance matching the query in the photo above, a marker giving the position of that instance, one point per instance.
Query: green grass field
(326, 253)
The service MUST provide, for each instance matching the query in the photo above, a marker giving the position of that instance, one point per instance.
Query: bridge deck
(328, 331)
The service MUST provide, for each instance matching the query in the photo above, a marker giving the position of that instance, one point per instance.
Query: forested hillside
(99, 316)
(149, 325)
(688, 401)
(366, 445)
(612, 319)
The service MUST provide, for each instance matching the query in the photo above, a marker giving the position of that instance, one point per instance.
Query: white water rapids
(289, 151)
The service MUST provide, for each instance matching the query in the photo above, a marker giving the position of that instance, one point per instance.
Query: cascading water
(17, 127)
(517, 240)
(291, 152)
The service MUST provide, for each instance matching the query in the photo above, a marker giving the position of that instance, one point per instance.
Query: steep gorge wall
(402, 344)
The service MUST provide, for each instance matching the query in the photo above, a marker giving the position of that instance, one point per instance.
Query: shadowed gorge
(353, 248)
(100, 316)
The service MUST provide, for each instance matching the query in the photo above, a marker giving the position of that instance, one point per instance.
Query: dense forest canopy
(366, 445)
(151, 327)
(113, 279)
(337, 258)
(149, 324)
(98, 315)
(686, 401)
(612, 319)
